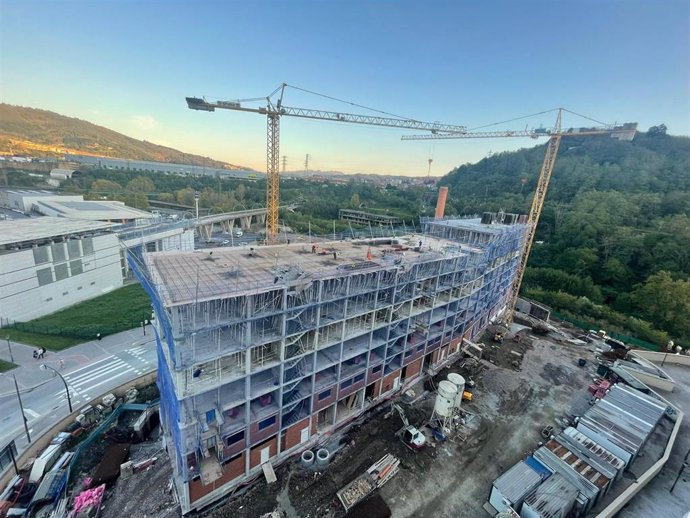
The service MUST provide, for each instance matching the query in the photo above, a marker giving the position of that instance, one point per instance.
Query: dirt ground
(146, 494)
(511, 405)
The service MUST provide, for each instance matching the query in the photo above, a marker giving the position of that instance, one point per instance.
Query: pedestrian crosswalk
(139, 353)
(89, 381)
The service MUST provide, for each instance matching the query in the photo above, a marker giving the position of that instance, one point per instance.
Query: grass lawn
(50, 342)
(119, 310)
(6, 366)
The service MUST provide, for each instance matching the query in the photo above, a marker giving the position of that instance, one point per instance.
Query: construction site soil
(520, 387)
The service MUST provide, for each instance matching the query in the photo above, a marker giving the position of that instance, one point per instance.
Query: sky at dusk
(129, 65)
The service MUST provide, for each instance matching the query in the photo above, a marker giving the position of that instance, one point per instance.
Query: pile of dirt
(147, 494)
(511, 352)
(256, 500)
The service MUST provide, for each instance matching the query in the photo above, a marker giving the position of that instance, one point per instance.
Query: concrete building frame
(252, 371)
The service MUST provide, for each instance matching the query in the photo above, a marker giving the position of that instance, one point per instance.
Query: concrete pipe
(322, 456)
(307, 458)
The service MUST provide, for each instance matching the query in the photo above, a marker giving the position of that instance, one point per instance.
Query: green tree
(105, 187)
(166, 197)
(185, 196)
(657, 131)
(141, 184)
(354, 201)
(665, 301)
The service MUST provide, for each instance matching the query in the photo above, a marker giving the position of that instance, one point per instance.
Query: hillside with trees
(612, 245)
(44, 133)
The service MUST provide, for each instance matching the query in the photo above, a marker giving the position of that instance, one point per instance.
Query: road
(90, 369)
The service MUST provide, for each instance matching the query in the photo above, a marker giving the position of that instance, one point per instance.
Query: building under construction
(262, 351)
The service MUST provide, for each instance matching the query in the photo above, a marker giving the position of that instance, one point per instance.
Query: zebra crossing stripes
(139, 353)
(99, 373)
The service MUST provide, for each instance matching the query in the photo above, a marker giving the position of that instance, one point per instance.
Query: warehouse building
(47, 264)
(262, 351)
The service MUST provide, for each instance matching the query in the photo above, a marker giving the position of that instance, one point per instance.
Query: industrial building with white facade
(47, 264)
(73, 250)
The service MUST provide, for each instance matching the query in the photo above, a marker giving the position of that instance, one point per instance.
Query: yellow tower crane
(274, 110)
(621, 132)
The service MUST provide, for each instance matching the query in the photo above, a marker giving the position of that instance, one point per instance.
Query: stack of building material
(384, 469)
(376, 476)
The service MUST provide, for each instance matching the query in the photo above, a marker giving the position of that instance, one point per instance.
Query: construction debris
(375, 477)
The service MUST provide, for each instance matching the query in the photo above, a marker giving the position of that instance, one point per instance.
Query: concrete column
(206, 231)
(246, 222)
(261, 218)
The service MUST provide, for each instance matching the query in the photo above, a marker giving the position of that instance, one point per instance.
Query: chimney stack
(441, 203)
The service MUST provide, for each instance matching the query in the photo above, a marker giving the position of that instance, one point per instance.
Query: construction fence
(586, 326)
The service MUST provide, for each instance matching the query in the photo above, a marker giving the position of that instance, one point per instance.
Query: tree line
(612, 241)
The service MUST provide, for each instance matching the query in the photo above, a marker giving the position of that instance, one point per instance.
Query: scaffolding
(253, 341)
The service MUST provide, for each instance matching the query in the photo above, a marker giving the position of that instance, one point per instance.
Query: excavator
(409, 435)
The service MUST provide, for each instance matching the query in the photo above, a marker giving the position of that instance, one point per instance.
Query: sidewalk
(29, 374)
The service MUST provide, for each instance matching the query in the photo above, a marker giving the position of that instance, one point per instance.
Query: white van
(238, 232)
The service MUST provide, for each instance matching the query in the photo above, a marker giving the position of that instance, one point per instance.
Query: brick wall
(255, 452)
(413, 369)
(294, 433)
(231, 470)
(256, 435)
(350, 390)
(321, 404)
(371, 375)
(387, 384)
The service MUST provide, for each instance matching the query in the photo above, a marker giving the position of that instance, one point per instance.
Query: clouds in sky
(143, 122)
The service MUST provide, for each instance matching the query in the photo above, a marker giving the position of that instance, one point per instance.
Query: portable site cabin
(511, 488)
(555, 498)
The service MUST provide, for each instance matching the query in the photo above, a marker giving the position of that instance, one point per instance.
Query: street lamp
(9, 346)
(21, 409)
(69, 400)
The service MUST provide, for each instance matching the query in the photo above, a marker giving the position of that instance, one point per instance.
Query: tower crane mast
(625, 131)
(275, 110)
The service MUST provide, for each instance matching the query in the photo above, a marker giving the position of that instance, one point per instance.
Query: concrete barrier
(664, 358)
(39, 444)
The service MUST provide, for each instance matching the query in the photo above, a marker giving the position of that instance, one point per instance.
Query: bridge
(227, 220)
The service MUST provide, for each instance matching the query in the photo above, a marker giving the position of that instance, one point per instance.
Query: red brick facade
(388, 381)
(293, 434)
(255, 452)
(231, 470)
(413, 369)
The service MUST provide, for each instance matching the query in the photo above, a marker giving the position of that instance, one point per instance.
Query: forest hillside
(613, 242)
(45, 133)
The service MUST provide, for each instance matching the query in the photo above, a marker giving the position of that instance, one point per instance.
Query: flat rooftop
(476, 224)
(36, 229)
(94, 210)
(183, 277)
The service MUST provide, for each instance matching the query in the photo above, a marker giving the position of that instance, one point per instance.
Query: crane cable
(350, 103)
